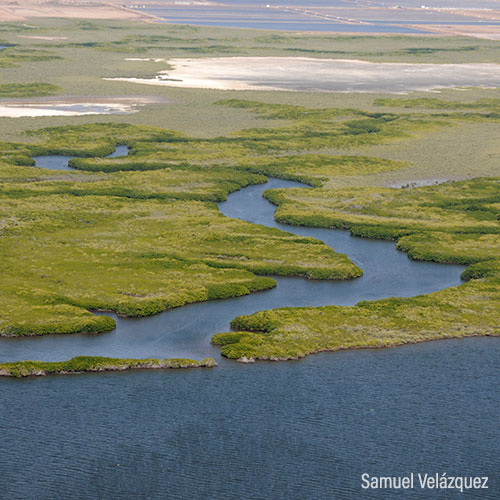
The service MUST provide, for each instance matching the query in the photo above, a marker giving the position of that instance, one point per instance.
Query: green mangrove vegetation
(485, 104)
(65, 254)
(292, 333)
(28, 89)
(142, 233)
(136, 243)
(88, 364)
(110, 37)
(456, 207)
(13, 56)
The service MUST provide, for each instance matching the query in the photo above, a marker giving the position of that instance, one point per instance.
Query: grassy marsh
(28, 89)
(455, 222)
(141, 234)
(134, 242)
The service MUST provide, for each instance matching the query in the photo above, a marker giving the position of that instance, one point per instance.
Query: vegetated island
(89, 364)
(454, 222)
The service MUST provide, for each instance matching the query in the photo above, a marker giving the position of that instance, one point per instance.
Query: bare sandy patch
(474, 31)
(482, 14)
(319, 75)
(39, 37)
(146, 59)
(27, 9)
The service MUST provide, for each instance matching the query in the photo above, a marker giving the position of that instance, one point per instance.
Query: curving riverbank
(61, 162)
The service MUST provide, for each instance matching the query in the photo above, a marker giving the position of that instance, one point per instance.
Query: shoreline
(24, 369)
(395, 345)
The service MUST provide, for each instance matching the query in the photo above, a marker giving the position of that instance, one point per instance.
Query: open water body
(287, 15)
(297, 430)
(302, 430)
(260, 17)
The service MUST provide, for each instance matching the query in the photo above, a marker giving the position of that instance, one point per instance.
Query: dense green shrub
(28, 89)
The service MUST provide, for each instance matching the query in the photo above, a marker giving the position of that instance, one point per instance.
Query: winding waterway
(295, 430)
(186, 331)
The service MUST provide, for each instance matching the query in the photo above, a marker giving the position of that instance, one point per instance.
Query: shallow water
(300, 15)
(18, 109)
(291, 431)
(229, 17)
(60, 162)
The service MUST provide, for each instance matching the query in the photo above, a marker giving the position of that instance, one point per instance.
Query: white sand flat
(321, 75)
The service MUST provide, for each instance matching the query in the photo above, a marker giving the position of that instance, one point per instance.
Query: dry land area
(141, 234)
(32, 9)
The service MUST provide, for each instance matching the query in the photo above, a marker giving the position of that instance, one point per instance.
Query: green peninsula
(456, 222)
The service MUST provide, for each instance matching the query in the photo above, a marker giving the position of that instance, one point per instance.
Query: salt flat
(321, 75)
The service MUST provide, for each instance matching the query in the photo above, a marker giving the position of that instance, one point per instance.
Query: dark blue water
(291, 431)
(272, 431)
(60, 162)
(121, 150)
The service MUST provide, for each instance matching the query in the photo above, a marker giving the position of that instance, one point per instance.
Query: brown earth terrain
(28, 9)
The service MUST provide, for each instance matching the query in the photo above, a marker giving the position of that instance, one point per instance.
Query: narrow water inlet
(61, 162)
